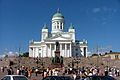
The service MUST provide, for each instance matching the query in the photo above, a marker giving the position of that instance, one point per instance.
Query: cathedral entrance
(57, 61)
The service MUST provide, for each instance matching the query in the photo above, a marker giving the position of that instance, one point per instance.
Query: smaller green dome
(45, 26)
(71, 26)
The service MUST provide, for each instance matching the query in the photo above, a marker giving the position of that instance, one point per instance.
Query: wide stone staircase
(46, 62)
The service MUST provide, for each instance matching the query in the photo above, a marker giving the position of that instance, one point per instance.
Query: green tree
(26, 54)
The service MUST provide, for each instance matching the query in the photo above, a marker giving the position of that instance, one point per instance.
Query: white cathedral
(69, 46)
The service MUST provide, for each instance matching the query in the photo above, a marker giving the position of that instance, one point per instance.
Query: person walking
(36, 71)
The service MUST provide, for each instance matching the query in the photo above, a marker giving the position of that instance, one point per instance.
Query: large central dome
(58, 14)
(57, 22)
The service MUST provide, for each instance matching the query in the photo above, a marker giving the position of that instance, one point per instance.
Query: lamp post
(97, 51)
(19, 62)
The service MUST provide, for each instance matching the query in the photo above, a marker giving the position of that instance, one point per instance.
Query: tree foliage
(26, 54)
(95, 55)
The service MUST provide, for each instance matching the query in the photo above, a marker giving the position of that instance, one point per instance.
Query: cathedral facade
(69, 46)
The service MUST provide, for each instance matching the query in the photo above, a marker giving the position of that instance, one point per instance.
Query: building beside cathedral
(69, 46)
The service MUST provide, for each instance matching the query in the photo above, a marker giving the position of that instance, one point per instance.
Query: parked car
(97, 78)
(14, 77)
(108, 78)
(66, 78)
(57, 78)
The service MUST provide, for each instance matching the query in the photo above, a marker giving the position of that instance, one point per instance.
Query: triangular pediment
(59, 38)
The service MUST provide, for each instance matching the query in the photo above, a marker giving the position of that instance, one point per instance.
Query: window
(57, 26)
(6, 78)
(19, 78)
(61, 27)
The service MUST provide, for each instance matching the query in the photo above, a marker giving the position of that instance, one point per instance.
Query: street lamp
(19, 62)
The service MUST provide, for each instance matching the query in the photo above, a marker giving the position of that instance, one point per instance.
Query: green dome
(58, 14)
(45, 26)
(71, 26)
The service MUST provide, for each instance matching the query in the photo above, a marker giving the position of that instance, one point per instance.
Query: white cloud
(2, 56)
(108, 9)
(12, 53)
(89, 53)
(95, 10)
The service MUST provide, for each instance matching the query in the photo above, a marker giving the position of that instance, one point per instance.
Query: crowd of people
(27, 71)
(20, 71)
(93, 71)
(80, 72)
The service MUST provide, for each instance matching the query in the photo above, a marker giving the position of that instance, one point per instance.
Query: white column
(52, 25)
(30, 52)
(37, 52)
(61, 50)
(33, 52)
(82, 49)
(41, 51)
(46, 52)
(59, 25)
(50, 51)
(62, 25)
(54, 50)
(55, 25)
(65, 51)
(86, 52)
(70, 54)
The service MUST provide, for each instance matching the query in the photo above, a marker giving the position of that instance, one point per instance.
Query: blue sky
(97, 21)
